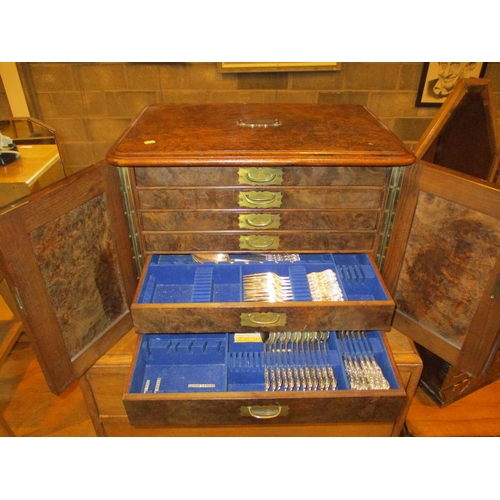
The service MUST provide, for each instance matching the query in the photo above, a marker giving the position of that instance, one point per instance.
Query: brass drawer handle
(259, 123)
(263, 319)
(262, 175)
(254, 199)
(264, 411)
(259, 221)
(256, 242)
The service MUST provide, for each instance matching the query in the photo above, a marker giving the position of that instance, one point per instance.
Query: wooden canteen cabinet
(320, 181)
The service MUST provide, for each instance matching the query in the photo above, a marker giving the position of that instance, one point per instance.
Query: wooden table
(39, 166)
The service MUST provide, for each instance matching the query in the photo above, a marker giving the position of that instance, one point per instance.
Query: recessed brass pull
(264, 411)
(256, 242)
(261, 199)
(263, 319)
(259, 221)
(260, 175)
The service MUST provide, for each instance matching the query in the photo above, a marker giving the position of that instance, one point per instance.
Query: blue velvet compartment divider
(229, 362)
(172, 279)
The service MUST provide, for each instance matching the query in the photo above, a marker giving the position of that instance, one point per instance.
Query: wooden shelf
(38, 167)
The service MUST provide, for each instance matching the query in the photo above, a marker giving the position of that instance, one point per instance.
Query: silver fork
(379, 380)
(309, 373)
(323, 381)
(267, 287)
(272, 341)
(267, 382)
(282, 337)
(324, 336)
(291, 381)
(300, 375)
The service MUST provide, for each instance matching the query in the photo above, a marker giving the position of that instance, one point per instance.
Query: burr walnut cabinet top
(264, 134)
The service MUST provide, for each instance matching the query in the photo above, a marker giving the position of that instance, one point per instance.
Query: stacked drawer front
(260, 209)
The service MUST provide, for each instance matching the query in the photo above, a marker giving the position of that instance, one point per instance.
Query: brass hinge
(131, 215)
(18, 299)
(495, 293)
(393, 192)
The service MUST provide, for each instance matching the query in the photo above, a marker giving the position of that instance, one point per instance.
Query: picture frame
(439, 79)
(271, 67)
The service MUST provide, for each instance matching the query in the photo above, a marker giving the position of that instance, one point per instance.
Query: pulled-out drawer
(178, 295)
(237, 379)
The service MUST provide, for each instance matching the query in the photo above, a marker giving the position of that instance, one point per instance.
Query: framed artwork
(439, 78)
(262, 67)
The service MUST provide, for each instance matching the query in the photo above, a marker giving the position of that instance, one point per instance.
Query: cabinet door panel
(68, 259)
(443, 265)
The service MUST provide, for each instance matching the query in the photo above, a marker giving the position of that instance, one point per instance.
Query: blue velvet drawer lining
(215, 362)
(173, 279)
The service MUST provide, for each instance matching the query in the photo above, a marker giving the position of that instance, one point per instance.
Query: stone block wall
(90, 104)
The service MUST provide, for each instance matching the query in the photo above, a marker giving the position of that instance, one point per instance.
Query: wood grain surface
(450, 257)
(207, 134)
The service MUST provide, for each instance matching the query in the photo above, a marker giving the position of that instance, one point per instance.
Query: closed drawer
(213, 379)
(178, 295)
(291, 220)
(260, 176)
(291, 241)
(366, 198)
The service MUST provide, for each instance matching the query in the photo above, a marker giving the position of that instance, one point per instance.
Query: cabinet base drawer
(120, 427)
(237, 379)
(306, 409)
(108, 379)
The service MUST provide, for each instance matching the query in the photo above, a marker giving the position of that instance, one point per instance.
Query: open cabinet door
(66, 256)
(462, 135)
(443, 265)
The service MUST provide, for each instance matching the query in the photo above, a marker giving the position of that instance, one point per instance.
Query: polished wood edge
(411, 388)
(88, 397)
(208, 160)
(9, 339)
(404, 323)
(5, 429)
